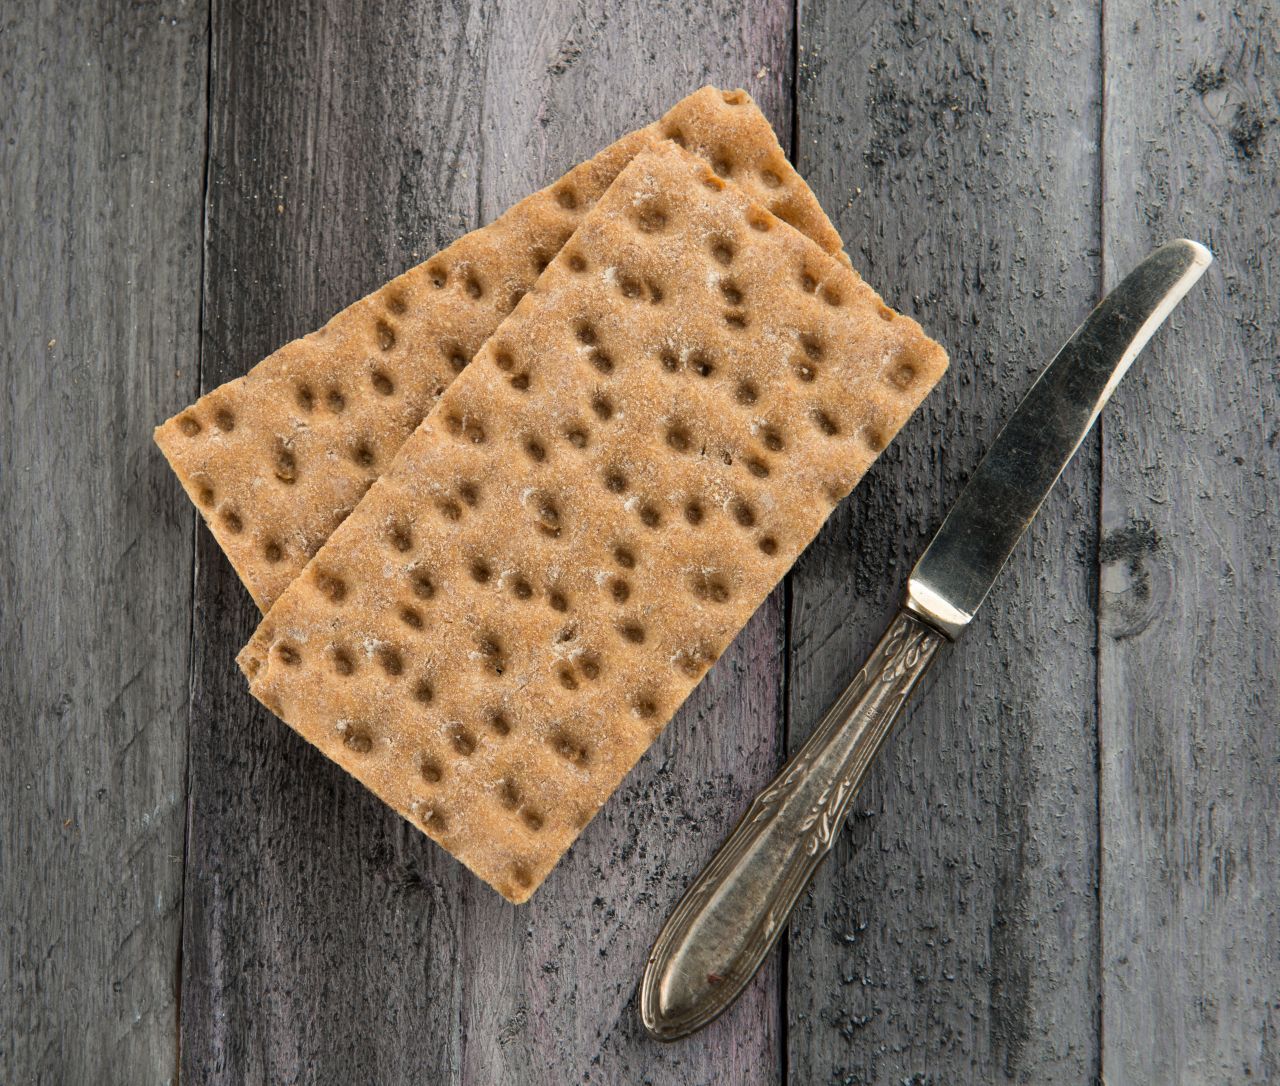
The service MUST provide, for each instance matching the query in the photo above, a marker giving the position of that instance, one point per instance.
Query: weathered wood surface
(953, 935)
(1065, 868)
(333, 935)
(1189, 732)
(101, 153)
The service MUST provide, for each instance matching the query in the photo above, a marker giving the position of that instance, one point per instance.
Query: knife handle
(732, 915)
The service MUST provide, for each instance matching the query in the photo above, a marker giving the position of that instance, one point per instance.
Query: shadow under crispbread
(591, 512)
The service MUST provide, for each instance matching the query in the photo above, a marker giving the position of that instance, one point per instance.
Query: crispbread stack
(589, 514)
(277, 459)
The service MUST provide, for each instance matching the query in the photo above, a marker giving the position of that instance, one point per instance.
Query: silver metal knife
(732, 915)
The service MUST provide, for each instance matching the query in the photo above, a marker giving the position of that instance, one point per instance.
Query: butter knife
(733, 914)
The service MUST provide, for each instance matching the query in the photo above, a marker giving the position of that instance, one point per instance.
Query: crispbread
(588, 516)
(276, 459)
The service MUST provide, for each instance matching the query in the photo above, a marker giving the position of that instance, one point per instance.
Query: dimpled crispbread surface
(276, 460)
(591, 512)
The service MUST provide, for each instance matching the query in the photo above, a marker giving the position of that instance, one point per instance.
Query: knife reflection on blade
(732, 915)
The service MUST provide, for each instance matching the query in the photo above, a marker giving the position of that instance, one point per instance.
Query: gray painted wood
(319, 935)
(1190, 748)
(952, 937)
(333, 935)
(101, 153)
(550, 995)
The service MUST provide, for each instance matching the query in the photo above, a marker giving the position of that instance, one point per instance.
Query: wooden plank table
(1066, 867)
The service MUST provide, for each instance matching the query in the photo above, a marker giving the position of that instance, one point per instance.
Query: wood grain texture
(551, 991)
(101, 153)
(1190, 745)
(953, 935)
(329, 932)
(320, 930)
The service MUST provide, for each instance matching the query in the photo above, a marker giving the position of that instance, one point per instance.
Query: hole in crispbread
(491, 654)
(386, 336)
(805, 372)
(382, 384)
(465, 428)
(396, 301)
(473, 286)
(520, 382)
(531, 819)
(812, 346)
(509, 794)
(678, 438)
(736, 320)
(644, 706)
(286, 465)
(499, 723)
(205, 495)
(768, 545)
(722, 163)
(711, 181)
(694, 512)
(521, 588)
(632, 631)
(566, 677)
(577, 436)
(438, 275)
(585, 332)
(619, 589)
(675, 135)
(772, 438)
(546, 515)
(305, 398)
(535, 450)
(651, 216)
(423, 692)
(423, 587)
(469, 493)
(825, 423)
(400, 536)
(224, 419)
(731, 291)
(722, 250)
(521, 875)
(503, 360)
(566, 633)
(602, 360)
(808, 282)
(760, 220)
(734, 97)
(770, 179)
(272, 551)
(902, 376)
(875, 439)
(625, 557)
(650, 515)
(343, 662)
(701, 364)
(431, 771)
(557, 600)
(711, 587)
(462, 741)
(358, 740)
(330, 585)
(742, 512)
(832, 296)
(433, 818)
(668, 358)
(746, 393)
(602, 406)
(449, 509)
(480, 571)
(232, 522)
(756, 466)
(391, 660)
(567, 199)
(288, 655)
(577, 262)
(694, 661)
(570, 749)
(189, 425)
(362, 454)
(411, 617)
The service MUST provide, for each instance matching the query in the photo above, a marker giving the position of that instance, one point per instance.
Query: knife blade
(733, 913)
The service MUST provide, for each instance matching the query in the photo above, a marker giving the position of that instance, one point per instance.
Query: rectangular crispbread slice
(276, 460)
(593, 509)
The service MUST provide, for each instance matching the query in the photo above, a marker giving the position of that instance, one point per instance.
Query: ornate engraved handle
(734, 912)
